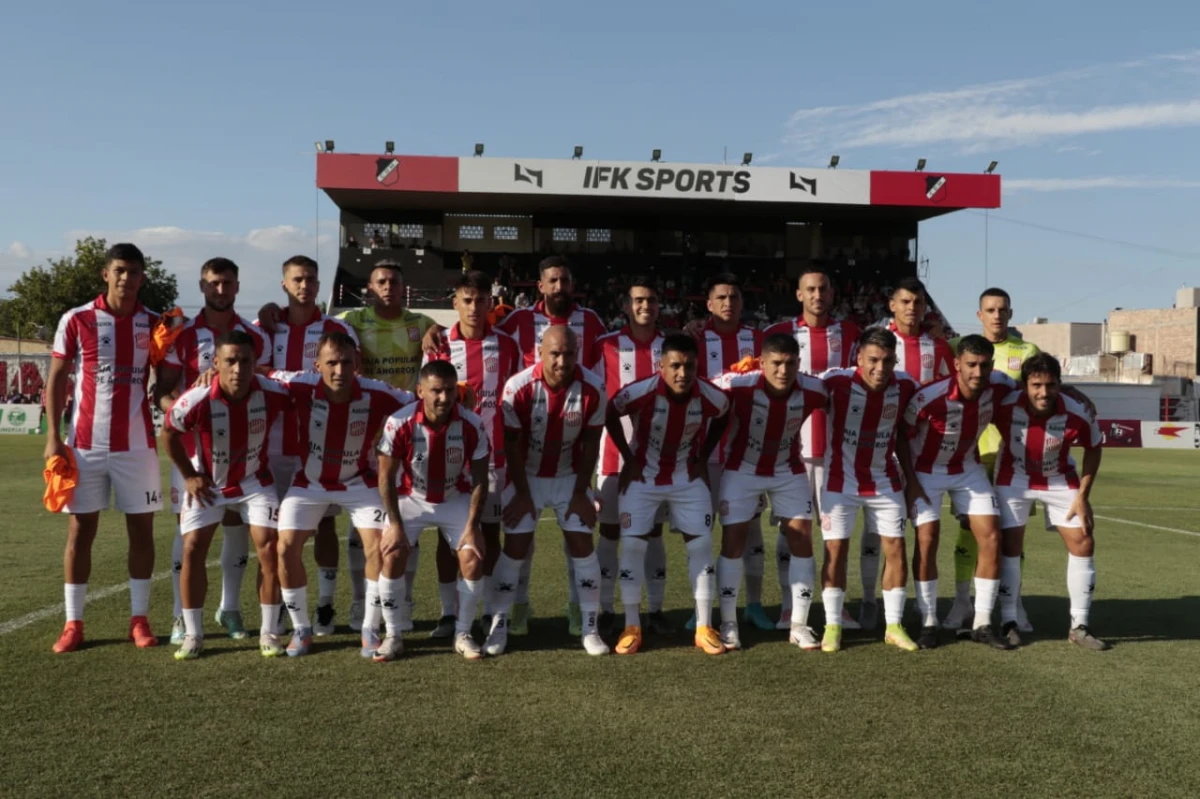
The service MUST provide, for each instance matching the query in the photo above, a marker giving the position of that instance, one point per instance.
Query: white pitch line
(1192, 533)
(1145, 507)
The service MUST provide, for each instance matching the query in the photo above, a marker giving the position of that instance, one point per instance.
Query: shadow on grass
(1120, 621)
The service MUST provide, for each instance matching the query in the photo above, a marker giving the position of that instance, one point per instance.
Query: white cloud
(18, 250)
(1160, 91)
(1013, 185)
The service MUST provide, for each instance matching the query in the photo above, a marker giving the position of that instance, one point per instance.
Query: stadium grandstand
(679, 223)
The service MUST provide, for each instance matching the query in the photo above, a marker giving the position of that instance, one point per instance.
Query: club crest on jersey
(835, 345)
(491, 364)
(1053, 442)
(792, 426)
(454, 455)
(310, 349)
(573, 418)
(414, 334)
(1014, 363)
(358, 428)
(142, 340)
(746, 352)
(889, 411)
(257, 426)
(690, 430)
(926, 361)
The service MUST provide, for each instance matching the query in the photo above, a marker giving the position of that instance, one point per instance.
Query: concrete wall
(1065, 339)
(8, 346)
(1121, 400)
(1171, 335)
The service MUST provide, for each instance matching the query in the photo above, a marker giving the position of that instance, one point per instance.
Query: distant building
(1065, 339)
(1171, 336)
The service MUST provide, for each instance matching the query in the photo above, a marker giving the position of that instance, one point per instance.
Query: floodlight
(389, 147)
(747, 158)
(991, 168)
(656, 155)
(834, 160)
(478, 150)
(920, 164)
(578, 152)
(329, 145)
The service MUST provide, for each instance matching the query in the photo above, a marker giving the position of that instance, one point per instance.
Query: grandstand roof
(365, 182)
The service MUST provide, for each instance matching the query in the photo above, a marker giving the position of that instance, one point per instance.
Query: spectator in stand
(522, 300)
(498, 291)
(351, 242)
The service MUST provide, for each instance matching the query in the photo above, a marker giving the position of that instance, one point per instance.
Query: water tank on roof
(1118, 341)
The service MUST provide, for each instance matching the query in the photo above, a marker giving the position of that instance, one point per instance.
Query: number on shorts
(708, 520)
(995, 503)
(151, 497)
(378, 515)
(273, 514)
(808, 508)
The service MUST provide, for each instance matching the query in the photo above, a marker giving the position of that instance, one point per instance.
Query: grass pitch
(546, 720)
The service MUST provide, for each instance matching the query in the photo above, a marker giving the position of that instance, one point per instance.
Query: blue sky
(189, 127)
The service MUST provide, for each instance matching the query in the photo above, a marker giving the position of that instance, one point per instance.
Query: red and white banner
(1132, 433)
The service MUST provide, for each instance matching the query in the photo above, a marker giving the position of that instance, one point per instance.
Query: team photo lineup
(276, 424)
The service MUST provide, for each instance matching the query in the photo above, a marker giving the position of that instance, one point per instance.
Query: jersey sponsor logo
(454, 455)
(358, 428)
(142, 340)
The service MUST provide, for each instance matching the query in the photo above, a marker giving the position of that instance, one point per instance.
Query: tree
(45, 293)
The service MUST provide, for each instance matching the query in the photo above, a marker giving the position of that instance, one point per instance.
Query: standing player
(865, 408)
(389, 337)
(484, 358)
(339, 414)
(1038, 426)
(106, 345)
(670, 412)
(995, 313)
(621, 358)
(296, 333)
(226, 472)
(824, 343)
(193, 354)
(768, 408)
(723, 341)
(433, 472)
(925, 359)
(553, 412)
(945, 419)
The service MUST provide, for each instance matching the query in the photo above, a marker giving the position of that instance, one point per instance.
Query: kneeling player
(865, 405)
(666, 464)
(230, 419)
(768, 407)
(947, 417)
(553, 414)
(1037, 426)
(433, 472)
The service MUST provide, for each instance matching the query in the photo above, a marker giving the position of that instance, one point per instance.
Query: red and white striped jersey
(554, 419)
(110, 358)
(294, 349)
(924, 358)
(719, 352)
(485, 365)
(435, 462)
(668, 433)
(528, 325)
(336, 440)
(821, 348)
(765, 439)
(946, 426)
(619, 360)
(862, 432)
(1035, 453)
(233, 436)
(195, 346)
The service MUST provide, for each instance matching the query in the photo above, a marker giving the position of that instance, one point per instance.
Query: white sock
(832, 599)
(193, 621)
(869, 563)
(927, 602)
(177, 570)
(801, 576)
(522, 597)
(609, 560)
(572, 587)
(893, 605)
(729, 581)
(410, 571)
(448, 594)
(753, 560)
(632, 575)
(504, 584)
(467, 601)
(270, 619)
(296, 600)
(326, 586)
(587, 584)
(962, 592)
(391, 597)
(139, 597)
(1010, 588)
(75, 597)
(485, 594)
(783, 570)
(356, 558)
(656, 573)
(702, 576)
(985, 600)
(372, 607)
(1081, 583)
(235, 554)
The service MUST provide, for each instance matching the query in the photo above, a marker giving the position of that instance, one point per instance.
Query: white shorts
(449, 517)
(742, 495)
(547, 492)
(303, 508)
(1015, 504)
(283, 469)
(493, 506)
(884, 514)
(970, 493)
(689, 507)
(134, 476)
(607, 488)
(258, 507)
